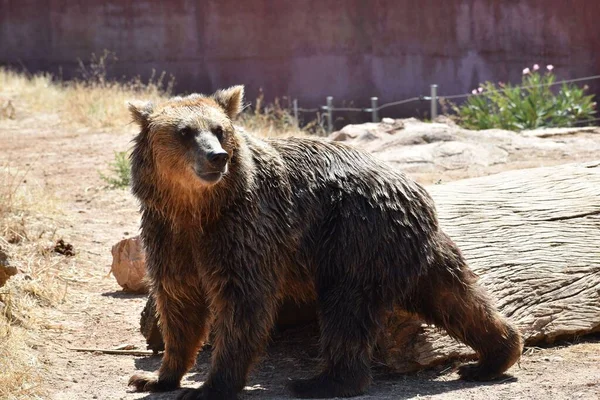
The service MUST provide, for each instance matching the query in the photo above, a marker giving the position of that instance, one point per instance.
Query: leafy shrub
(531, 105)
(121, 171)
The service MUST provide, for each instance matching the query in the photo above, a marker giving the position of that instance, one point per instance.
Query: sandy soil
(97, 314)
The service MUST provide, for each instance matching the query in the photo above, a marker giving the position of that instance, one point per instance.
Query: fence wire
(397, 103)
(434, 98)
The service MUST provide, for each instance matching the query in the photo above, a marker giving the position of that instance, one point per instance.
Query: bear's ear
(140, 111)
(231, 100)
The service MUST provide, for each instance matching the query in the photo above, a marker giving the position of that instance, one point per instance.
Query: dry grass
(87, 104)
(275, 119)
(96, 102)
(27, 230)
(91, 102)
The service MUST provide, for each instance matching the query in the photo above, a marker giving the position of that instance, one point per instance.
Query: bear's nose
(218, 158)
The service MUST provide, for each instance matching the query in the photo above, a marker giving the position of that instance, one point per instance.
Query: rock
(6, 271)
(429, 151)
(64, 248)
(129, 265)
(368, 132)
(340, 136)
(550, 132)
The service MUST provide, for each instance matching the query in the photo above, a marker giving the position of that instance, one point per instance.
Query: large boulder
(441, 150)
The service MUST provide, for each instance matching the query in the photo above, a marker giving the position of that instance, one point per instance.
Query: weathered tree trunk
(533, 238)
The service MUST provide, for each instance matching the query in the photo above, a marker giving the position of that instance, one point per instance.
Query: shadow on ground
(121, 294)
(294, 356)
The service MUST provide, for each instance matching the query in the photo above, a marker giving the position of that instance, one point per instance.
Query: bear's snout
(218, 159)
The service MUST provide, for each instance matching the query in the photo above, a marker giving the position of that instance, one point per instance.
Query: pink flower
(474, 91)
(480, 89)
(536, 67)
(501, 84)
(550, 67)
(526, 71)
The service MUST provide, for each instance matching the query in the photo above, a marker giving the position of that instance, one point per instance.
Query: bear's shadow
(122, 294)
(295, 356)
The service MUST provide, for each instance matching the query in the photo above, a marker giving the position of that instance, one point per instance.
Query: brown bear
(233, 224)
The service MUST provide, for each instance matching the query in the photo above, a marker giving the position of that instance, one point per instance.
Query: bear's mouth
(210, 177)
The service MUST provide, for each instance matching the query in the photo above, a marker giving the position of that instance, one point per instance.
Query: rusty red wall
(350, 49)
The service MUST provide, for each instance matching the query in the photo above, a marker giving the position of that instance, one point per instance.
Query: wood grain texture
(533, 238)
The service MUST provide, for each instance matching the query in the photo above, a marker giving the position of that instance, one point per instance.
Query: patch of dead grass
(90, 104)
(276, 119)
(95, 102)
(20, 367)
(27, 232)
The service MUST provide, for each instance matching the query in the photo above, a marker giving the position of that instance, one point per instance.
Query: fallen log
(532, 237)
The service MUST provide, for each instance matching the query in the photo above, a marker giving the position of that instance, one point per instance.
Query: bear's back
(357, 208)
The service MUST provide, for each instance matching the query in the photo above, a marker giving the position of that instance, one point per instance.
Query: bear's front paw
(148, 384)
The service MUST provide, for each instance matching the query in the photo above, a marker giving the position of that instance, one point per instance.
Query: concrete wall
(308, 49)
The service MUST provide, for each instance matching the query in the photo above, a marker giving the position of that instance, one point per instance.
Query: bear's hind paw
(147, 384)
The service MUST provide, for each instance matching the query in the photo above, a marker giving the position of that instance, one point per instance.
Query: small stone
(6, 271)
(64, 248)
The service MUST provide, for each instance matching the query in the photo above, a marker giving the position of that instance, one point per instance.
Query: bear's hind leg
(350, 319)
(451, 299)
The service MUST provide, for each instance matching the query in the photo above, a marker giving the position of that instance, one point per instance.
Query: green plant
(531, 105)
(121, 171)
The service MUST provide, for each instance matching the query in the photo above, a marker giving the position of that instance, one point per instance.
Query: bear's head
(190, 139)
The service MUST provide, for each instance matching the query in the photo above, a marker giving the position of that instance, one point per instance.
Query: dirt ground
(97, 314)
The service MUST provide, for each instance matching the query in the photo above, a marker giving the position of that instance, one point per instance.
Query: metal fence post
(329, 114)
(296, 121)
(433, 102)
(374, 112)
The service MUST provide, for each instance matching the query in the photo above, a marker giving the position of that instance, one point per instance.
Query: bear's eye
(186, 132)
(218, 132)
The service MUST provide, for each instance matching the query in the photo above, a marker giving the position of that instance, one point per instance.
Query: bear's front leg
(244, 317)
(184, 322)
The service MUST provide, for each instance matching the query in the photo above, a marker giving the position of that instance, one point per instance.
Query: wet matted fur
(233, 224)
